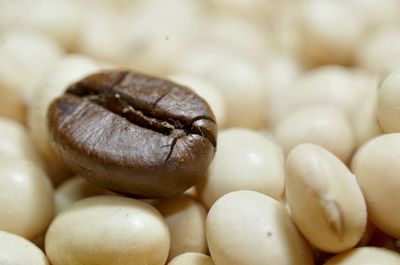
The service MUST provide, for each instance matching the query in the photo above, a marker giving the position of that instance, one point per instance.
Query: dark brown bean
(133, 133)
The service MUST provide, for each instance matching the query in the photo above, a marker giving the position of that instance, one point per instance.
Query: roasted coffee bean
(134, 134)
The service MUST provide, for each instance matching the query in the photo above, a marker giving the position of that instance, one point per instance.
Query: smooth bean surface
(16, 250)
(376, 168)
(245, 160)
(26, 196)
(242, 225)
(318, 189)
(108, 230)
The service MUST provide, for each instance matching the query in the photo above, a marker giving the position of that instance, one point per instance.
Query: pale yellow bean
(26, 196)
(108, 230)
(377, 169)
(319, 189)
(13, 80)
(16, 250)
(15, 142)
(246, 227)
(34, 52)
(186, 219)
(327, 36)
(380, 51)
(245, 160)
(73, 190)
(388, 103)
(322, 125)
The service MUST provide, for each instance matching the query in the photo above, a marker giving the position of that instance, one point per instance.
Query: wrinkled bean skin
(133, 133)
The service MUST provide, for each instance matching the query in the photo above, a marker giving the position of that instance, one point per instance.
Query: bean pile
(109, 151)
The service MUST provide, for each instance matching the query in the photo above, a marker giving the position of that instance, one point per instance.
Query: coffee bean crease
(112, 100)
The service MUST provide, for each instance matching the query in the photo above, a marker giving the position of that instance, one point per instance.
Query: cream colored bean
(13, 80)
(388, 103)
(223, 30)
(160, 33)
(108, 230)
(163, 19)
(279, 74)
(200, 62)
(16, 250)
(15, 142)
(34, 52)
(353, 91)
(208, 91)
(319, 189)
(327, 36)
(26, 196)
(68, 70)
(246, 227)
(51, 17)
(161, 50)
(377, 169)
(380, 51)
(105, 24)
(245, 160)
(285, 24)
(186, 219)
(191, 259)
(331, 85)
(99, 31)
(366, 256)
(21, 70)
(321, 125)
(73, 190)
(241, 86)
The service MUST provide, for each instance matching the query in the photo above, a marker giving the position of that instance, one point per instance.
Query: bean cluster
(306, 98)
